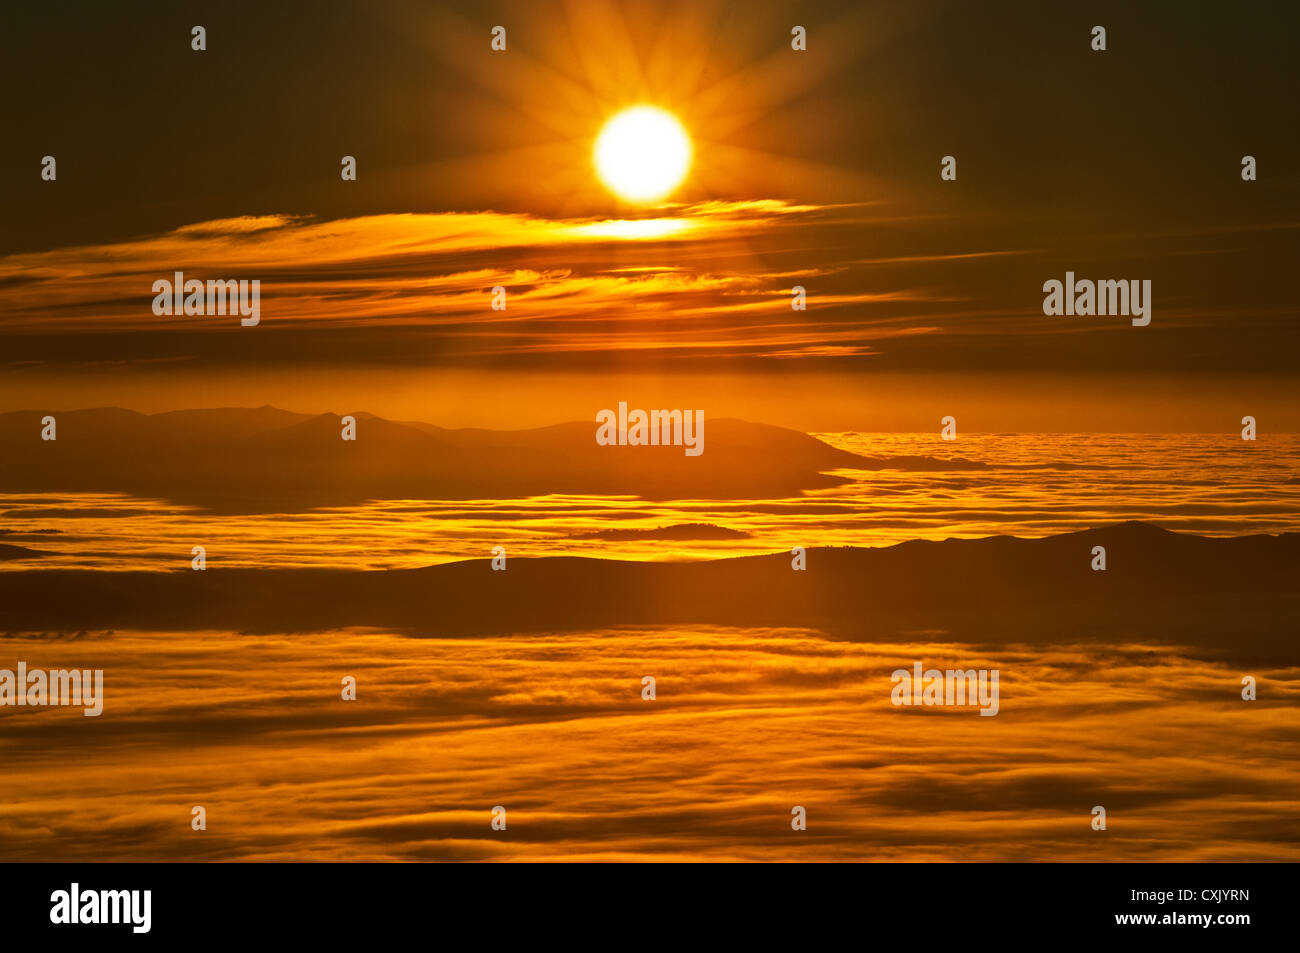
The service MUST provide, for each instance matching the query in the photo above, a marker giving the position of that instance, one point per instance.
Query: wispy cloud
(706, 280)
(698, 278)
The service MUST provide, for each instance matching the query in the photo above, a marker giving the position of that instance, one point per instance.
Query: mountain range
(1232, 596)
(270, 460)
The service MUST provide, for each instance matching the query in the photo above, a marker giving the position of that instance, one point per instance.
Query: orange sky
(393, 314)
(817, 169)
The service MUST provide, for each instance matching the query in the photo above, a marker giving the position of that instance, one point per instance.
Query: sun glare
(637, 228)
(642, 154)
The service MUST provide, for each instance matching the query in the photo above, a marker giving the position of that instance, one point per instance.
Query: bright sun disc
(642, 153)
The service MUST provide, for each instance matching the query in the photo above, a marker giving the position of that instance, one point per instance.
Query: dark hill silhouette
(1232, 596)
(675, 531)
(270, 460)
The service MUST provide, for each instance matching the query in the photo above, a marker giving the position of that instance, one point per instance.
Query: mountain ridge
(268, 460)
(1230, 595)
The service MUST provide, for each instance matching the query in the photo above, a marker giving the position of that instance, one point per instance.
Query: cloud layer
(747, 724)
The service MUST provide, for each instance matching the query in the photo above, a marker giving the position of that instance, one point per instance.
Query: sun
(642, 154)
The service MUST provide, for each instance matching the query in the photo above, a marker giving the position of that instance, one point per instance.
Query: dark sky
(150, 135)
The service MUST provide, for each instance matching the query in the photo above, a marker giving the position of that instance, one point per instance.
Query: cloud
(692, 280)
(887, 289)
(748, 723)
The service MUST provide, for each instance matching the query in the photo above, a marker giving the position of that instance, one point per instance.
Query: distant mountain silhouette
(675, 531)
(270, 460)
(1234, 596)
